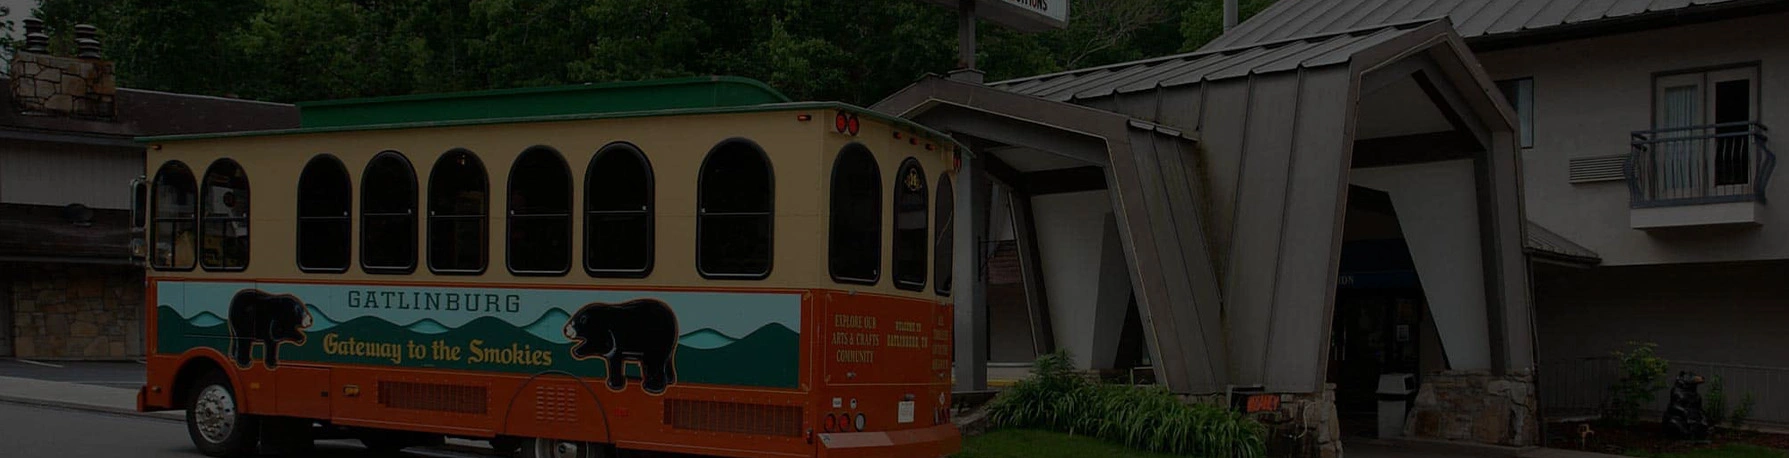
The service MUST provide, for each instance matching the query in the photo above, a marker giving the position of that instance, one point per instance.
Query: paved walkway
(98, 387)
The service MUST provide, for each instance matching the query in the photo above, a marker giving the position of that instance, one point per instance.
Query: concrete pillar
(970, 287)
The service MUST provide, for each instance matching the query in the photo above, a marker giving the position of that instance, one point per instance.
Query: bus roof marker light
(804, 117)
(840, 122)
(852, 125)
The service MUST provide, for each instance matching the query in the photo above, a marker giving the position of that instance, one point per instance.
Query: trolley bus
(689, 266)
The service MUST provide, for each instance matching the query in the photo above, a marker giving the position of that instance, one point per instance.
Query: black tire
(553, 448)
(214, 419)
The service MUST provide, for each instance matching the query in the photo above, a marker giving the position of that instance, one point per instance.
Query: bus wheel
(213, 421)
(554, 448)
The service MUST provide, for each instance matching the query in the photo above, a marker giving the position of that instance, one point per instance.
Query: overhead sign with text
(1023, 15)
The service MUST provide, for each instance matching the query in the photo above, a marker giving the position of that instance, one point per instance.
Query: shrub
(1714, 406)
(1642, 375)
(1145, 418)
(1737, 420)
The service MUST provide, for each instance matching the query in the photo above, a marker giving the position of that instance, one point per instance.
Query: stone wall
(1476, 406)
(67, 311)
(1303, 426)
(70, 86)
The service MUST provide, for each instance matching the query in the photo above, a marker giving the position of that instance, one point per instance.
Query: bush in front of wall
(1641, 374)
(1144, 418)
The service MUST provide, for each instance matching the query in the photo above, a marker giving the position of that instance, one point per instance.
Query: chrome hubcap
(215, 413)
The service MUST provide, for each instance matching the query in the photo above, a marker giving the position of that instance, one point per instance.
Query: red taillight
(832, 423)
(841, 122)
(852, 125)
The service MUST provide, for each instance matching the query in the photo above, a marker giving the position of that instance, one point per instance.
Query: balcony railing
(1698, 165)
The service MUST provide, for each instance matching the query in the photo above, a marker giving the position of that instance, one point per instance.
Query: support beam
(1062, 181)
(1043, 336)
(969, 287)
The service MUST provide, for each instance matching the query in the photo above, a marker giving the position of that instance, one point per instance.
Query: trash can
(1394, 402)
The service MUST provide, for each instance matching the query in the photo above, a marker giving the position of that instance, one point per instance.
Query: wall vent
(434, 397)
(555, 404)
(733, 417)
(1598, 168)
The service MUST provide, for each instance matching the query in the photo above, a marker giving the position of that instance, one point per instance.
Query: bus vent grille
(733, 417)
(555, 404)
(437, 397)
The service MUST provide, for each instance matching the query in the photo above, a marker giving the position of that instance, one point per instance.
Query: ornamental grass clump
(1144, 418)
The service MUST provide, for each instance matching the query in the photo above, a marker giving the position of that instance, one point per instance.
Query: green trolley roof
(584, 99)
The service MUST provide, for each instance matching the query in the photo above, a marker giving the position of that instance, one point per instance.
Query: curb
(165, 416)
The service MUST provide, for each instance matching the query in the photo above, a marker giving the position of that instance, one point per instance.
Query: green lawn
(1017, 443)
(1726, 451)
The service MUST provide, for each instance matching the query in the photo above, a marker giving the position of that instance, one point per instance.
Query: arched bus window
(458, 199)
(855, 246)
(223, 217)
(324, 225)
(944, 245)
(172, 214)
(539, 213)
(618, 203)
(910, 234)
(735, 214)
(388, 215)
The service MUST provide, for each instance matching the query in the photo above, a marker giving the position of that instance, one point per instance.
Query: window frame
(484, 218)
(910, 167)
(769, 213)
(1707, 78)
(413, 213)
(299, 218)
(155, 218)
(944, 267)
(649, 213)
(832, 238)
(510, 215)
(205, 218)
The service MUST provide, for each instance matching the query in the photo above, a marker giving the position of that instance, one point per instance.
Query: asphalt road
(32, 432)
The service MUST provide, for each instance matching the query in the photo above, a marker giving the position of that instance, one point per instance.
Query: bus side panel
(883, 363)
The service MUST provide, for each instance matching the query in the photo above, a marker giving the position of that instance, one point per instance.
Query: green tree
(1203, 21)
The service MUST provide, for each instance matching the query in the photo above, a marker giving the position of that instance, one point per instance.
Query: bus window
(388, 215)
(618, 213)
(944, 245)
(223, 217)
(735, 218)
(458, 199)
(539, 213)
(910, 227)
(855, 249)
(172, 215)
(324, 225)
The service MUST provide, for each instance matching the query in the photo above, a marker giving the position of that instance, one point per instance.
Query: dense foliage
(854, 51)
(1640, 376)
(1056, 398)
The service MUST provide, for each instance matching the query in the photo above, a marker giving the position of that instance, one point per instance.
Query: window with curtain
(539, 213)
(223, 217)
(324, 225)
(173, 217)
(388, 215)
(735, 197)
(854, 247)
(910, 234)
(618, 213)
(459, 198)
(944, 245)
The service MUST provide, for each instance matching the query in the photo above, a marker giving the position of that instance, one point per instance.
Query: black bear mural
(642, 330)
(259, 316)
(1683, 415)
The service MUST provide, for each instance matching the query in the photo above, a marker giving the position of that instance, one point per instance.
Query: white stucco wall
(1071, 237)
(1590, 94)
(1437, 209)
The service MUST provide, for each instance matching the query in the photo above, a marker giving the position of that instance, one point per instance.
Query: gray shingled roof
(1541, 242)
(1204, 66)
(1472, 18)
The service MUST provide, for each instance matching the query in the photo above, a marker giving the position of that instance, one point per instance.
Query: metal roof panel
(1288, 19)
